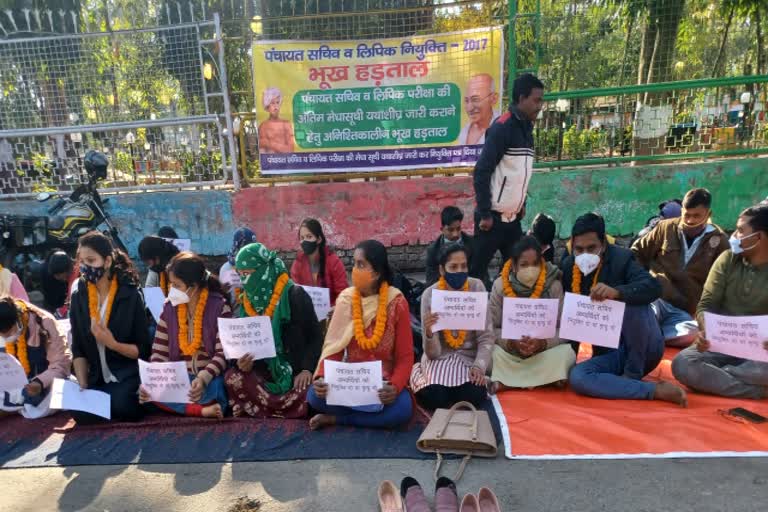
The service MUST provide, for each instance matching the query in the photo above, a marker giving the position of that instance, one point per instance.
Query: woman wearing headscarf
(227, 274)
(188, 331)
(371, 322)
(274, 387)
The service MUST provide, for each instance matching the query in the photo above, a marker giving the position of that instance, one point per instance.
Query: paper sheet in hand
(250, 335)
(231, 277)
(536, 318)
(155, 301)
(165, 382)
(66, 395)
(182, 244)
(321, 300)
(65, 329)
(459, 311)
(738, 336)
(585, 320)
(12, 376)
(353, 384)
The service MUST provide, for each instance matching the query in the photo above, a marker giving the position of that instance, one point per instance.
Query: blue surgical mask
(456, 280)
(735, 242)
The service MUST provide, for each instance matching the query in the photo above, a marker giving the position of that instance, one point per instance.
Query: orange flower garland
(276, 294)
(93, 301)
(365, 342)
(455, 342)
(164, 283)
(18, 348)
(190, 347)
(576, 281)
(538, 289)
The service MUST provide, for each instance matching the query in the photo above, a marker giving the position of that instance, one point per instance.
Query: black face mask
(309, 247)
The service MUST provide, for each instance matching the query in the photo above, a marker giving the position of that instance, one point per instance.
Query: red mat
(559, 424)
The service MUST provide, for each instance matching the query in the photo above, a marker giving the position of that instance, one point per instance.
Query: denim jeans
(720, 374)
(678, 326)
(391, 416)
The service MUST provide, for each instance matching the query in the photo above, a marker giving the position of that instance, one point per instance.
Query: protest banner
(67, 395)
(249, 335)
(353, 384)
(738, 336)
(155, 300)
(12, 375)
(165, 382)
(359, 106)
(321, 300)
(459, 311)
(535, 318)
(588, 321)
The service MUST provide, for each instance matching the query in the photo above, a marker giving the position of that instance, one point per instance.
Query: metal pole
(512, 72)
(225, 97)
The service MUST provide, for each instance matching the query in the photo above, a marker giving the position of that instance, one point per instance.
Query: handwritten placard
(353, 384)
(598, 323)
(12, 376)
(738, 336)
(250, 335)
(165, 382)
(182, 244)
(464, 311)
(64, 326)
(321, 300)
(230, 277)
(536, 318)
(67, 395)
(155, 301)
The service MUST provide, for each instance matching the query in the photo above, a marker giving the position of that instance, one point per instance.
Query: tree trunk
(721, 51)
(625, 53)
(760, 43)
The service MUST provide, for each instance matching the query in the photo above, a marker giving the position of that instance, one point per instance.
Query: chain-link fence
(153, 99)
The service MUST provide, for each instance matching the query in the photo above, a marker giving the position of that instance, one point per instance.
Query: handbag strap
(460, 471)
(457, 406)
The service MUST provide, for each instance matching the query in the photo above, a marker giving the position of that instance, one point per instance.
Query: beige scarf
(341, 328)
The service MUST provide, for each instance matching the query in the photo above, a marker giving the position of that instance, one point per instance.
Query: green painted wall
(628, 196)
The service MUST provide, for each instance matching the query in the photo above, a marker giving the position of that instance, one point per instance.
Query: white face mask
(587, 262)
(736, 247)
(12, 338)
(177, 296)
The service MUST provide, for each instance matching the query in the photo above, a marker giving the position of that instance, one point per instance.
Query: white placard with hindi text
(230, 277)
(182, 244)
(588, 321)
(249, 335)
(353, 384)
(67, 395)
(459, 311)
(321, 300)
(12, 376)
(535, 318)
(155, 301)
(738, 336)
(64, 326)
(165, 382)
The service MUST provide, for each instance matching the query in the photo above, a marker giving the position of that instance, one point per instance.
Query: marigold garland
(18, 348)
(190, 347)
(576, 281)
(538, 289)
(276, 294)
(93, 301)
(164, 285)
(365, 342)
(455, 342)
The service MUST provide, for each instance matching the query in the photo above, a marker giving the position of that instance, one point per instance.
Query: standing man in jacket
(502, 174)
(679, 253)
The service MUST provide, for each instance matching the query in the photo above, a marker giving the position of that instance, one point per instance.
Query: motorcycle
(33, 237)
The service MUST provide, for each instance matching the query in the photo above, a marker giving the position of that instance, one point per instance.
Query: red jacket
(334, 278)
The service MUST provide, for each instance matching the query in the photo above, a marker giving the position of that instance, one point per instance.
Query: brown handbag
(461, 430)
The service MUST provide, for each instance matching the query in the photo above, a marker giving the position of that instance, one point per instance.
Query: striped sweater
(200, 364)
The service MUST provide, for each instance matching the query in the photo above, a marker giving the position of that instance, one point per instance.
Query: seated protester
(10, 284)
(316, 265)
(604, 271)
(454, 364)
(188, 331)
(737, 286)
(110, 330)
(54, 280)
(276, 387)
(527, 363)
(543, 229)
(679, 254)
(670, 209)
(167, 232)
(371, 322)
(156, 252)
(450, 232)
(30, 335)
(241, 238)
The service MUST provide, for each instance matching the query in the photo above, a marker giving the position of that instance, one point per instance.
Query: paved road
(702, 485)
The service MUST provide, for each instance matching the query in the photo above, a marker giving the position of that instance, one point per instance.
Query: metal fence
(153, 99)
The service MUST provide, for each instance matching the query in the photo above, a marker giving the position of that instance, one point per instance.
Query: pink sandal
(470, 504)
(389, 497)
(488, 501)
